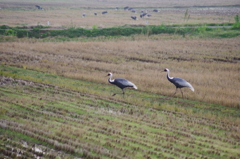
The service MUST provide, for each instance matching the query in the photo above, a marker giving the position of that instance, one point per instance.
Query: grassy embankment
(225, 30)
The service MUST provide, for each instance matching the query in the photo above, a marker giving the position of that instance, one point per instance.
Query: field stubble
(210, 65)
(42, 120)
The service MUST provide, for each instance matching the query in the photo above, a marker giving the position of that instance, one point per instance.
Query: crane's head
(109, 74)
(166, 70)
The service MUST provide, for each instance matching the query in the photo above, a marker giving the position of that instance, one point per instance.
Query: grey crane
(104, 12)
(134, 17)
(134, 11)
(142, 15)
(178, 82)
(121, 83)
(125, 8)
(149, 15)
(39, 7)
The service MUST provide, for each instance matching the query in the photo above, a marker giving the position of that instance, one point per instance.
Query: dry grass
(210, 65)
(114, 3)
(69, 14)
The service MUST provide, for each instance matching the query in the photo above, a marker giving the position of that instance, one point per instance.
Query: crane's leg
(173, 94)
(181, 92)
(119, 93)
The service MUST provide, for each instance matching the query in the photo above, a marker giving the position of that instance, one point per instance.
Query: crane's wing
(122, 83)
(179, 82)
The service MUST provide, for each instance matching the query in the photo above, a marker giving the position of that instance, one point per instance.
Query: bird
(142, 15)
(95, 13)
(125, 8)
(178, 82)
(134, 17)
(149, 15)
(155, 10)
(134, 11)
(121, 83)
(104, 12)
(39, 7)
(83, 15)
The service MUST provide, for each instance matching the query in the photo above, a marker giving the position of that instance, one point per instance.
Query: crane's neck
(168, 77)
(110, 80)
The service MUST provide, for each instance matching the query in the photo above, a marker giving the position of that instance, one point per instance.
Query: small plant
(236, 25)
(2, 111)
(202, 29)
(236, 19)
(186, 15)
(10, 32)
(147, 30)
(94, 27)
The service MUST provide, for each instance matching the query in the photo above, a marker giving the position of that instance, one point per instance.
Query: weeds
(186, 16)
(236, 18)
(65, 34)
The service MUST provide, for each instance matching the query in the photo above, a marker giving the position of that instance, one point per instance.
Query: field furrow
(91, 127)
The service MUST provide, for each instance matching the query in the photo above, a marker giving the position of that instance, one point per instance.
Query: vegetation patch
(41, 31)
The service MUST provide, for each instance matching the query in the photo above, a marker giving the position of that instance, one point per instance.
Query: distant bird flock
(143, 13)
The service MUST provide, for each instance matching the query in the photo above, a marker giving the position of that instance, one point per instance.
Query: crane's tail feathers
(134, 86)
(191, 87)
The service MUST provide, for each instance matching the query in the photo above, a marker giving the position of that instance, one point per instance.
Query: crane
(178, 82)
(134, 11)
(134, 17)
(142, 15)
(39, 7)
(104, 12)
(149, 15)
(125, 8)
(121, 83)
